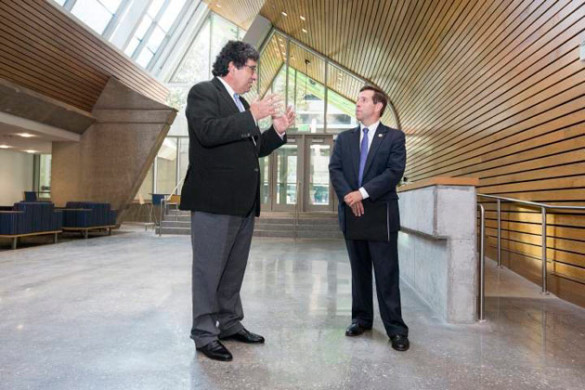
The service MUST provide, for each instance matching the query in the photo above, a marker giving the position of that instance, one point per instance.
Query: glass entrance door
(286, 164)
(296, 176)
(317, 192)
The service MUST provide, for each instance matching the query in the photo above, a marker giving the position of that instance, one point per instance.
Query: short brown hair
(379, 96)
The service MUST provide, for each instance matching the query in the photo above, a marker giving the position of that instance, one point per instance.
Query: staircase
(282, 225)
(309, 225)
(175, 222)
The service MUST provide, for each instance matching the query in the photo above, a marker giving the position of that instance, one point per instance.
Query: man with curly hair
(222, 191)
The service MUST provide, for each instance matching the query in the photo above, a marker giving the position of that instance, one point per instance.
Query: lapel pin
(380, 135)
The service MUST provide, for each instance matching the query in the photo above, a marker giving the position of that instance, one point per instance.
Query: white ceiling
(40, 138)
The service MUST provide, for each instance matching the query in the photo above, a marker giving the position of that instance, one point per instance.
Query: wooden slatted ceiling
(44, 50)
(241, 12)
(490, 89)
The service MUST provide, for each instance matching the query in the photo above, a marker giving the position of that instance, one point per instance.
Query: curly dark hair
(237, 51)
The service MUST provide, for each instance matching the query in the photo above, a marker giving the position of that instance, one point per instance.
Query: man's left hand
(352, 198)
(283, 122)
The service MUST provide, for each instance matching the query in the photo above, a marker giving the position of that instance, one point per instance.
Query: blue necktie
(239, 102)
(363, 155)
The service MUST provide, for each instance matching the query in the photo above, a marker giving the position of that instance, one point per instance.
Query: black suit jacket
(224, 173)
(384, 168)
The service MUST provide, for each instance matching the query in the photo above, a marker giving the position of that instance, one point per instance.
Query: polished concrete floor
(114, 313)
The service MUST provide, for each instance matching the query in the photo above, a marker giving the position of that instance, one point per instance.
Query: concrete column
(111, 161)
(438, 246)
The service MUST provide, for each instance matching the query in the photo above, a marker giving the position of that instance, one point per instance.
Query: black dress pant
(384, 258)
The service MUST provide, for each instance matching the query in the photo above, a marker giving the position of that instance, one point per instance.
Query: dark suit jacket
(384, 169)
(224, 173)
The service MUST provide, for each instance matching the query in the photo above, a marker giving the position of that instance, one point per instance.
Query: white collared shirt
(230, 90)
(371, 133)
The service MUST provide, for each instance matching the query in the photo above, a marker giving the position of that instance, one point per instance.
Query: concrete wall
(438, 249)
(16, 176)
(115, 153)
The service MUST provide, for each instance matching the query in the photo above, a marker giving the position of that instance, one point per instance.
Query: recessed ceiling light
(304, 30)
(303, 18)
(31, 151)
(5, 146)
(284, 13)
(25, 135)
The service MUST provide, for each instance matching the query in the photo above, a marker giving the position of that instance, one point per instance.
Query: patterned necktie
(363, 155)
(239, 102)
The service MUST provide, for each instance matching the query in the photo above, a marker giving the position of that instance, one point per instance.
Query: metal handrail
(482, 263)
(536, 204)
(543, 208)
(176, 188)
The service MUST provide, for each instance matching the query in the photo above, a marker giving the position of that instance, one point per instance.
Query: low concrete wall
(438, 246)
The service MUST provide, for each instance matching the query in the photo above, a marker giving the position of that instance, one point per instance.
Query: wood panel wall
(43, 49)
(509, 108)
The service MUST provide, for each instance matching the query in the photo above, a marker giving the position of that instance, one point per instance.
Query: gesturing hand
(260, 109)
(284, 121)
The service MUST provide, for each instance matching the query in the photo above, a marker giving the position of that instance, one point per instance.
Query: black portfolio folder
(373, 225)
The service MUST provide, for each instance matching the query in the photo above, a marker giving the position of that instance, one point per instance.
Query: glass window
(306, 78)
(155, 6)
(155, 39)
(319, 174)
(171, 13)
(195, 66)
(343, 91)
(183, 159)
(45, 176)
(144, 58)
(60, 2)
(138, 36)
(146, 188)
(265, 177)
(271, 62)
(286, 176)
(92, 13)
(132, 46)
(111, 5)
(223, 31)
(166, 160)
(340, 113)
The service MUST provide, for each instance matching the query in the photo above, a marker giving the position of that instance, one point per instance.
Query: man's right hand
(358, 209)
(268, 106)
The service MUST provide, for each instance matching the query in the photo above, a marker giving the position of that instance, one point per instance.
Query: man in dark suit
(366, 165)
(222, 189)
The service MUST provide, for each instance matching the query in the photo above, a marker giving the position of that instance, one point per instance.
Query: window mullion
(150, 30)
(115, 21)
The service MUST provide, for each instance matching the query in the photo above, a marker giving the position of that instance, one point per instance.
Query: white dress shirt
(371, 133)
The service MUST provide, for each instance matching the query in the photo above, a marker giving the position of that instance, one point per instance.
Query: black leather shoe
(245, 337)
(399, 342)
(355, 329)
(216, 351)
